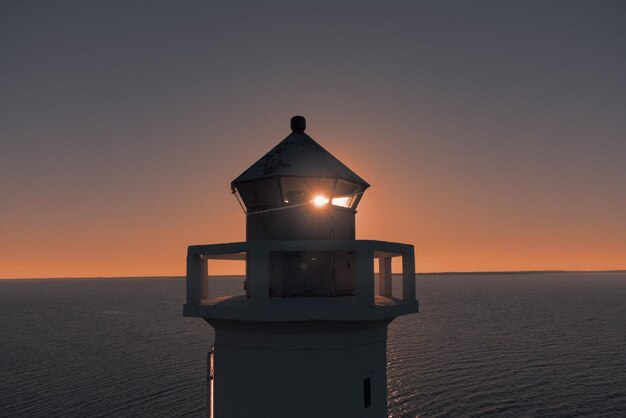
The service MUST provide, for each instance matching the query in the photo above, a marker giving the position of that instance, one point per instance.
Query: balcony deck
(343, 308)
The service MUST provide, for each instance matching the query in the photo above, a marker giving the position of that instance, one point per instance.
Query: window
(346, 194)
(302, 190)
(367, 392)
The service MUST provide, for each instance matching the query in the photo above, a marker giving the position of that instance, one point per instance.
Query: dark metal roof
(299, 155)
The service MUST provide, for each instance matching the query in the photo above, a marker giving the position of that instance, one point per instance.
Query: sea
(501, 345)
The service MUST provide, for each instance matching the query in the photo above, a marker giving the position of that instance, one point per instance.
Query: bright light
(320, 200)
(341, 201)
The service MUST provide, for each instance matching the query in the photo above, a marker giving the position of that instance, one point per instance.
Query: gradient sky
(493, 133)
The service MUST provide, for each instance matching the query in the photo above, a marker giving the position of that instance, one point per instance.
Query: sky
(493, 133)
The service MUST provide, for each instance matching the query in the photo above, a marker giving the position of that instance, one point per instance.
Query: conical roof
(299, 155)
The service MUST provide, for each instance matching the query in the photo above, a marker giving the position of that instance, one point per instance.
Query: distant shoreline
(443, 273)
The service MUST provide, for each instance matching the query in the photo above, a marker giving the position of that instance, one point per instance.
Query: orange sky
(494, 142)
(142, 227)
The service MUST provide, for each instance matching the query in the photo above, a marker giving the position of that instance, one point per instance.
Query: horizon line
(487, 272)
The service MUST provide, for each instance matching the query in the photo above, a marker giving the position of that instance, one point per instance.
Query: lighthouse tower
(308, 338)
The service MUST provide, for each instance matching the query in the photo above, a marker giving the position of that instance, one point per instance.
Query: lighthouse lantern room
(308, 338)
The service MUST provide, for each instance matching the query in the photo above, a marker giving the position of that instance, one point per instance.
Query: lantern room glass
(303, 190)
(346, 194)
(279, 192)
(320, 190)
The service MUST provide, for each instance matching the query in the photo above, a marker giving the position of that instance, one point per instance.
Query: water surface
(501, 345)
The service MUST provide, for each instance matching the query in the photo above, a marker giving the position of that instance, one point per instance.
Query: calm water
(503, 345)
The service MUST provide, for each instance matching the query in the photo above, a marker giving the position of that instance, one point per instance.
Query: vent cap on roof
(298, 124)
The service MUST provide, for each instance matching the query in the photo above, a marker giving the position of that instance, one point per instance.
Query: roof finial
(298, 124)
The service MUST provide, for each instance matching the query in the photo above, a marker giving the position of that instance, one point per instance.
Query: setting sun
(320, 200)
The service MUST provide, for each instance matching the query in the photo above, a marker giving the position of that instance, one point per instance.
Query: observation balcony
(258, 305)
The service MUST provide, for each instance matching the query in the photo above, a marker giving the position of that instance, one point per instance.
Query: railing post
(196, 277)
(408, 276)
(384, 276)
(364, 276)
(258, 273)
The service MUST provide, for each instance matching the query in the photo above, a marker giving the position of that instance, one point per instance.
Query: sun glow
(320, 201)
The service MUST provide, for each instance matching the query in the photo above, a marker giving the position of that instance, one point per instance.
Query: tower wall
(301, 273)
(318, 368)
(301, 222)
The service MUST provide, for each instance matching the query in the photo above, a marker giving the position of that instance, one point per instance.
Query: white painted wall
(306, 369)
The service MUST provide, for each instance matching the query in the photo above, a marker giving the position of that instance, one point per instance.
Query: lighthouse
(308, 338)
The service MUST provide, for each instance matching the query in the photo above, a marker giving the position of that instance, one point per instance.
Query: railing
(256, 255)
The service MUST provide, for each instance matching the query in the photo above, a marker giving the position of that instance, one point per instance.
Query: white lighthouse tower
(308, 339)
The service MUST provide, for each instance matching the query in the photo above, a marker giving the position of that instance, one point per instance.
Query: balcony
(258, 305)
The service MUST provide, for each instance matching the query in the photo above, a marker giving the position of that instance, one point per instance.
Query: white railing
(256, 255)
